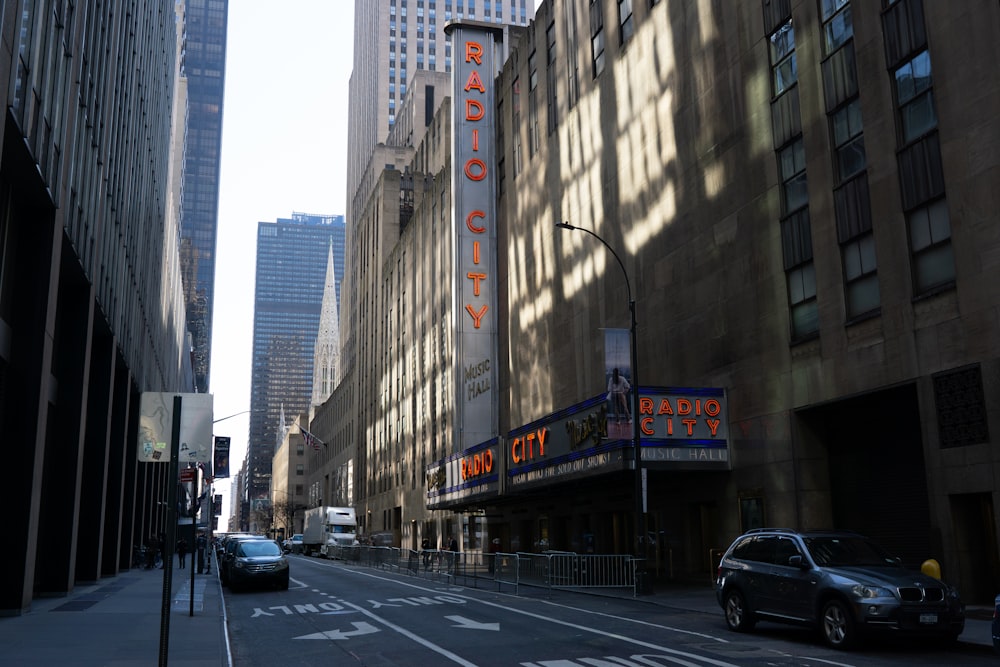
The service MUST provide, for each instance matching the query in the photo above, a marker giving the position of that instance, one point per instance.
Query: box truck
(328, 527)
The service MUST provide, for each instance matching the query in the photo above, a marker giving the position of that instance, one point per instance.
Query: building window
(626, 22)
(802, 301)
(914, 97)
(300, 469)
(930, 245)
(837, 24)
(597, 36)
(848, 140)
(534, 140)
(783, 68)
(796, 247)
(860, 275)
(552, 118)
(300, 449)
(794, 187)
(516, 125)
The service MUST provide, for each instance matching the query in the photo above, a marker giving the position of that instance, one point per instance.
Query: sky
(284, 148)
(284, 151)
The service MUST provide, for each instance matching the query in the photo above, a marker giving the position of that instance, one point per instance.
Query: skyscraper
(91, 309)
(204, 66)
(393, 39)
(292, 260)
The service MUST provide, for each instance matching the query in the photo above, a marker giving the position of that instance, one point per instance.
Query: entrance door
(976, 541)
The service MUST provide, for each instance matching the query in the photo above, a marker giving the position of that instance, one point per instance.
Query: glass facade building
(291, 276)
(204, 66)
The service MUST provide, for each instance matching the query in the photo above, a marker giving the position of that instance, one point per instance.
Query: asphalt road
(334, 614)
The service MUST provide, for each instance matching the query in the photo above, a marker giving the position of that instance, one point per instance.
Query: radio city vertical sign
(474, 234)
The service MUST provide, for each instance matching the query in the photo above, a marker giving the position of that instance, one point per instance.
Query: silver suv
(839, 582)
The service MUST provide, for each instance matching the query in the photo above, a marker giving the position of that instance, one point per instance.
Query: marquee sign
(468, 475)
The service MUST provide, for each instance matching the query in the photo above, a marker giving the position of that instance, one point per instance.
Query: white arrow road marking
(361, 628)
(469, 624)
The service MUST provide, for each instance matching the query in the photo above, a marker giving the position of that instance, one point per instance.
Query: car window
(743, 548)
(784, 549)
(834, 551)
(255, 548)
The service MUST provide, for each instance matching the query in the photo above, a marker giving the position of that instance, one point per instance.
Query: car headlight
(282, 564)
(865, 592)
(239, 564)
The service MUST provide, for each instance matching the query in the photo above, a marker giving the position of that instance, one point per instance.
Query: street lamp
(636, 452)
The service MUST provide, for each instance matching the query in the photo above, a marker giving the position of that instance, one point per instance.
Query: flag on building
(312, 440)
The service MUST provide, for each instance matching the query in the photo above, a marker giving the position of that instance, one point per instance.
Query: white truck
(328, 527)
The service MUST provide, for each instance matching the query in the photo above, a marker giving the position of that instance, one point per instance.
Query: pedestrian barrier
(550, 569)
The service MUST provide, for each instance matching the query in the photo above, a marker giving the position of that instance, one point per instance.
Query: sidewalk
(117, 623)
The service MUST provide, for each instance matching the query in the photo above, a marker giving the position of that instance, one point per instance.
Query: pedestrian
(161, 549)
(152, 544)
(182, 549)
(453, 552)
(200, 544)
(494, 550)
(425, 552)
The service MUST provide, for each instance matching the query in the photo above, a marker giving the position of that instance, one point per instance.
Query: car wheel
(837, 625)
(284, 584)
(738, 616)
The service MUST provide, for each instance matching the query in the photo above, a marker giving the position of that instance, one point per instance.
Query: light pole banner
(156, 422)
(618, 382)
(221, 464)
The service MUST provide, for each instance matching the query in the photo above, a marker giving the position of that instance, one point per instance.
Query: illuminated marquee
(474, 281)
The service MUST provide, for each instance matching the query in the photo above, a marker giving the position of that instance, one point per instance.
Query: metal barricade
(552, 569)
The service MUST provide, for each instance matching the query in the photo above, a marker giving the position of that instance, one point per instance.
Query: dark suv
(839, 582)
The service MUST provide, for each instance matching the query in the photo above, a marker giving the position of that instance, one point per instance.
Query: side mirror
(798, 561)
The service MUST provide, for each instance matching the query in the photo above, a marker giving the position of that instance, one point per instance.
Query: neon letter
(472, 227)
(477, 318)
(474, 51)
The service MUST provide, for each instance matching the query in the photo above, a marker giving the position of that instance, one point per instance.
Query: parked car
(228, 554)
(293, 544)
(996, 624)
(258, 562)
(839, 582)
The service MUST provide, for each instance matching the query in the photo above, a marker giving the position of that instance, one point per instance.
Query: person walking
(494, 550)
(182, 549)
(200, 544)
(425, 552)
(453, 553)
(152, 544)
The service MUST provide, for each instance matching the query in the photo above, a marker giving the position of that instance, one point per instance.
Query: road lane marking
(469, 624)
(673, 655)
(417, 638)
(360, 628)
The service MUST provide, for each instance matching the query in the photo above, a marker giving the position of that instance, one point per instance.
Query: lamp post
(636, 447)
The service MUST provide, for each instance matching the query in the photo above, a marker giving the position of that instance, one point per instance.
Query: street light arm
(621, 265)
(222, 419)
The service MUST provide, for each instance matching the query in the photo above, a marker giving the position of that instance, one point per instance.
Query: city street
(334, 613)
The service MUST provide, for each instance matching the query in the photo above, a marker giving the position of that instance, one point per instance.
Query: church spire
(326, 355)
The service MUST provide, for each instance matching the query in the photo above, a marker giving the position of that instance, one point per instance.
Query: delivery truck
(328, 527)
